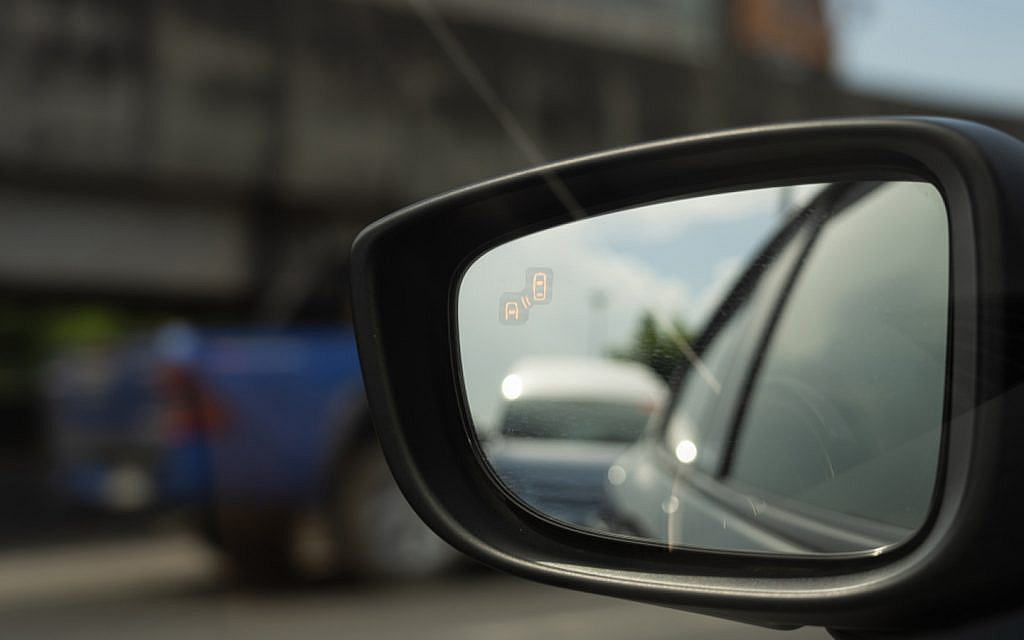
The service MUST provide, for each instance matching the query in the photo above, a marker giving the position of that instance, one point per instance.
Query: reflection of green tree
(656, 344)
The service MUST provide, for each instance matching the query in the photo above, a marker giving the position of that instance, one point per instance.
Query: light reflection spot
(671, 505)
(512, 387)
(686, 451)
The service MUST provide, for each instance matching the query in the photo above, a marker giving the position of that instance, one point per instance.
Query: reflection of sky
(706, 253)
(675, 259)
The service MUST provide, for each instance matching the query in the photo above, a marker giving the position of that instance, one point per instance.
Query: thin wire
(463, 62)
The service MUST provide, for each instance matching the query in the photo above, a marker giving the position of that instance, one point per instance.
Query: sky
(956, 52)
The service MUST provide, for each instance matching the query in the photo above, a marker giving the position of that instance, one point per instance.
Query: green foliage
(31, 334)
(657, 345)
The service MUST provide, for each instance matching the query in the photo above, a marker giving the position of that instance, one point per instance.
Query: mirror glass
(759, 370)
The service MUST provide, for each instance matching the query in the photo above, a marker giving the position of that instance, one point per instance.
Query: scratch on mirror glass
(673, 521)
(691, 356)
(753, 508)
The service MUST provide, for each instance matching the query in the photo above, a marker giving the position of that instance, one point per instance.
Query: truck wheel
(256, 543)
(377, 534)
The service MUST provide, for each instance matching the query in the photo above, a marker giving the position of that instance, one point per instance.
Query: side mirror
(770, 374)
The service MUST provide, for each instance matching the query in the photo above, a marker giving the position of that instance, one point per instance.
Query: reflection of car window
(706, 403)
(576, 420)
(846, 410)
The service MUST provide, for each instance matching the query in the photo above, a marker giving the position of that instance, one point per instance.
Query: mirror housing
(961, 564)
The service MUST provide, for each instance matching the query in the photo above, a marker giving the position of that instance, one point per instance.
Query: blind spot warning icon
(512, 310)
(539, 285)
(514, 307)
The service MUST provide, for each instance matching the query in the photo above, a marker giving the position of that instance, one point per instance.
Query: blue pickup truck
(255, 433)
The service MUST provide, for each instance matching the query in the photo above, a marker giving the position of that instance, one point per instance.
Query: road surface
(169, 586)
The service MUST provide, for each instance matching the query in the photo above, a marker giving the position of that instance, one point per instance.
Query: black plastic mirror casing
(966, 561)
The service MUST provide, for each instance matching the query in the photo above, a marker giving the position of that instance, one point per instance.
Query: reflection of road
(170, 588)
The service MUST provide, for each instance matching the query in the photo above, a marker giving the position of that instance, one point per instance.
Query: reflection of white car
(563, 421)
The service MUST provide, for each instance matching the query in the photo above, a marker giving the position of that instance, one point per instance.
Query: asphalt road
(170, 586)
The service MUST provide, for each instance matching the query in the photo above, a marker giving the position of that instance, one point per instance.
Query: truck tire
(255, 542)
(376, 533)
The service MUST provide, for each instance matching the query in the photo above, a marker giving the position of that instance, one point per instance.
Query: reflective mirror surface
(761, 370)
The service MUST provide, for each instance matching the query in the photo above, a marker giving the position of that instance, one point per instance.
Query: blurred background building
(211, 161)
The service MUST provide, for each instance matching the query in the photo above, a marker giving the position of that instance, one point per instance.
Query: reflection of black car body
(565, 420)
(818, 393)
